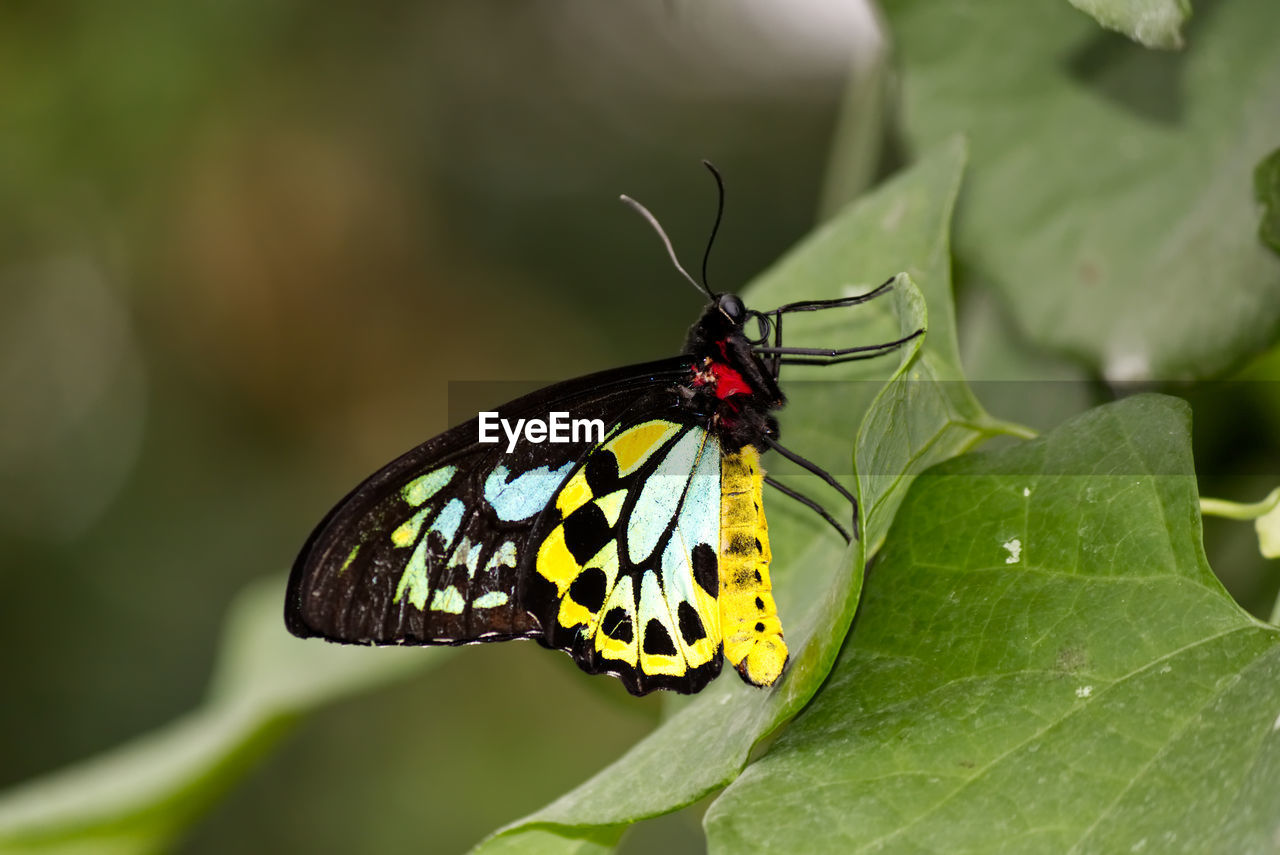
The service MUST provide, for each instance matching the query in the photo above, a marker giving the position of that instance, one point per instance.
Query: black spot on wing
(602, 473)
(657, 641)
(586, 531)
(617, 625)
(691, 628)
(706, 570)
(588, 589)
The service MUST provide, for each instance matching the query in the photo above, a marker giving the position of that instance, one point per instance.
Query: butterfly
(638, 544)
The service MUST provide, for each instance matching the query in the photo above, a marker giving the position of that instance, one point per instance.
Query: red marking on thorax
(724, 379)
(728, 381)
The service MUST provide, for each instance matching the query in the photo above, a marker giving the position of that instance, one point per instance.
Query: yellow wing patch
(574, 494)
(555, 563)
(634, 445)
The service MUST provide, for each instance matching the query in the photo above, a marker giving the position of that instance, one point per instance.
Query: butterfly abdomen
(748, 616)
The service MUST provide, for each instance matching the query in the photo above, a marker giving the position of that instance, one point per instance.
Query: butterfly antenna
(706, 255)
(666, 241)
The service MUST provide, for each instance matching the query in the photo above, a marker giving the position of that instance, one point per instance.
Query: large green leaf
(903, 226)
(1111, 187)
(140, 796)
(1043, 662)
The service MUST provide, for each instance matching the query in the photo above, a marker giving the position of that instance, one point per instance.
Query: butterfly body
(729, 381)
(643, 554)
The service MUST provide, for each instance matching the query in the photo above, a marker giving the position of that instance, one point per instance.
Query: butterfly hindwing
(625, 577)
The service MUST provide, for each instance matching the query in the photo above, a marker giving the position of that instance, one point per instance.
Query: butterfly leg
(814, 468)
(836, 303)
(832, 356)
(776, 360)
(812, 505)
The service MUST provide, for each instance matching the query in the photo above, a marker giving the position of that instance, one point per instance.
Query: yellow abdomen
(748, 615)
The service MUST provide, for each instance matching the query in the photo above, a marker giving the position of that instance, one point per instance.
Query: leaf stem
(1236, 510)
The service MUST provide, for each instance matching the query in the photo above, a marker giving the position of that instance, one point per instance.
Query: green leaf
(140, 796)
(1009, 375)
(1111, 186)
(902, 226)
(1043, 662)
(537, 841)
(1266, 188)
(1154, 23)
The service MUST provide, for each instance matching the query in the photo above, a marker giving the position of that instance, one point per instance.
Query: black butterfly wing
(437, 546)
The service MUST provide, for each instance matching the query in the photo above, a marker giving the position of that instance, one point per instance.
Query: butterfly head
(727, 318)
(732, 307)
(723, 318)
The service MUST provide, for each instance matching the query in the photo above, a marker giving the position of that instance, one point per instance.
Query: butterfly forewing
(414, 556)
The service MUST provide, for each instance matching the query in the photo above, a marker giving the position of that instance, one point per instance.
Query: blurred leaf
(1266, 187)
(1111, 185)
(902, 226)
(1043, 662)
(138, 797)
(1154, 23)
(857, 144)
(1268, 528)
(1012, 377)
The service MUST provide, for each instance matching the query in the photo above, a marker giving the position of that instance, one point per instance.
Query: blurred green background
(244, 248)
